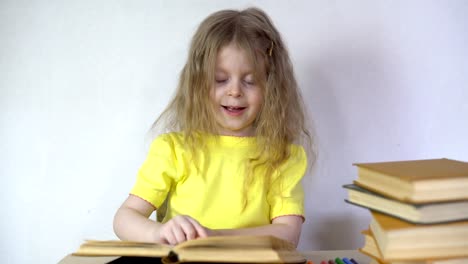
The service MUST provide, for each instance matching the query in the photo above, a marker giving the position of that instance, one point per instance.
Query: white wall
(82, 81)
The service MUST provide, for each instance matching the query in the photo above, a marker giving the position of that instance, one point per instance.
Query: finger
(171, 239)
(189, 230)
(184, 221)
(167, 237)
(163, 240)
(179, 234)
(201, 231)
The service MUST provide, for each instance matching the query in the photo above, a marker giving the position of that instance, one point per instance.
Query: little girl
(234, 166)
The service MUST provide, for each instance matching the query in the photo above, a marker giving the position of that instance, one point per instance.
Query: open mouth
(234, 109)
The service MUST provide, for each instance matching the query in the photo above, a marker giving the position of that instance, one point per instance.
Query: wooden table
(315, 256)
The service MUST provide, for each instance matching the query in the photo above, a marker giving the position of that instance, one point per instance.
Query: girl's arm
(131, 222)
(285, 227)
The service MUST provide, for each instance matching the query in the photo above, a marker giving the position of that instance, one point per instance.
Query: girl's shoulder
(170, 136)
(297, 151)
(171, 140)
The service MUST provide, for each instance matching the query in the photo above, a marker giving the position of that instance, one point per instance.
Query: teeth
(234, 107)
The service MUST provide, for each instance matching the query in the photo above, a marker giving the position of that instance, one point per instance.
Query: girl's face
(236, 95)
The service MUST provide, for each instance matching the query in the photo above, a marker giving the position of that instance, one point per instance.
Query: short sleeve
(157, 174)
(286, 195)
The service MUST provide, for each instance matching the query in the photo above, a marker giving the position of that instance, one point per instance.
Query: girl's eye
(221, 80)
(249, 82)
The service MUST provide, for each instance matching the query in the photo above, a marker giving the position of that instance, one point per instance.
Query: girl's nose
(235, 89)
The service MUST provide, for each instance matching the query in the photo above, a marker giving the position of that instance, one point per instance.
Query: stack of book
(419, 210)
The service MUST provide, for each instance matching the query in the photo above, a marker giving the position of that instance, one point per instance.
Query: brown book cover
(234, 249)
(428, 213)
(400, 240)
(416, 181)
(370, 248)
(442, 261)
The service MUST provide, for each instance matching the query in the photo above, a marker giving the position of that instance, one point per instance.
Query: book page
(122, 248)
(238, 242)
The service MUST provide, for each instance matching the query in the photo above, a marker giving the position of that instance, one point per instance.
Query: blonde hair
(281, 120)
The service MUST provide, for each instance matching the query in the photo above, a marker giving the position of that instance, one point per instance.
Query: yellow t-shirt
(213, 194)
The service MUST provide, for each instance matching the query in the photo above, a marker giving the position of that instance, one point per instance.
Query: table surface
(315, 256)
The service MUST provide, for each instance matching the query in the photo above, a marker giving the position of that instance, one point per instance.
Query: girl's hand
(181, 228)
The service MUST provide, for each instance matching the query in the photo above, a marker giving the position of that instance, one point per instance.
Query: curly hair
(282, 118)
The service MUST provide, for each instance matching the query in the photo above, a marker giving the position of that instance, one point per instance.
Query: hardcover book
(370, 248)
(416, 181)
(428, 213)
(400, 240)
(233, 249)
(443, 261)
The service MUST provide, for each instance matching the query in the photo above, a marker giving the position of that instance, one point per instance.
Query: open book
(234, 249)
